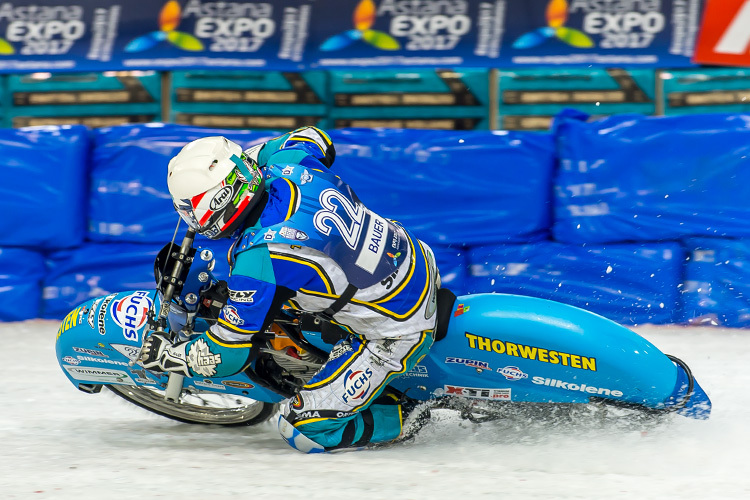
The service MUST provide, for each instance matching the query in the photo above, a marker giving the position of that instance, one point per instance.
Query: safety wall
(640, 219)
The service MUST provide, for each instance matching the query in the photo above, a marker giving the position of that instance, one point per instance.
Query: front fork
(181, 259)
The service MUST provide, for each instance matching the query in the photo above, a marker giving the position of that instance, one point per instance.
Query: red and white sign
(724, 38)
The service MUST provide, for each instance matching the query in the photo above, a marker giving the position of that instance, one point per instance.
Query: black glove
(160, 354)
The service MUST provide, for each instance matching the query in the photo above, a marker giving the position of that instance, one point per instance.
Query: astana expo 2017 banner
(100, 35)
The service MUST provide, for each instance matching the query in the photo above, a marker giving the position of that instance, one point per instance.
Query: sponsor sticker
(241, 295)
(92, 313)
(417, 371)
(512, 373)
(237, 384)
(90, 352)
(221, 199)
(209, 385)
(201, 360)
(473, 363)
(102, 314)
(232, 316)
(503, 394)
(127, 350)
(291, 233)
(102, 360)
(570, 386)
(104, 375)
(131, 312)
(356, 384)
(71, 360)
(374, 244)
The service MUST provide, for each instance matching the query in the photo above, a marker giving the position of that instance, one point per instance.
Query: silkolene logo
(169, 19)
(557, 16)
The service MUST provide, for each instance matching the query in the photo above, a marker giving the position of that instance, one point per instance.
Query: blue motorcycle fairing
(514, 348)
(97, 340)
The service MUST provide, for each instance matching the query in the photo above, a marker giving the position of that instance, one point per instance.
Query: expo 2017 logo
(169, 19)
(557, 15)
(364, 18)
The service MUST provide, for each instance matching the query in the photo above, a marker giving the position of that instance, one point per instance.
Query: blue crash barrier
(21, 274)
(96, 269)
(129, 197)
(631, 284)
(43, 186)
(636, 178)
(461, 188)
(716, 285)
(452, 264)
(482, 200)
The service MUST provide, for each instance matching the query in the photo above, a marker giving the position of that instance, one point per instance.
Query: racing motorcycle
(492, 352)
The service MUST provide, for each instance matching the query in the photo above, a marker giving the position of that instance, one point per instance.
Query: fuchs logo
(512, 373)
(130, 313)
(221, 199)
(231, 315)
(557, 16)
(356, 384)
(169, 19)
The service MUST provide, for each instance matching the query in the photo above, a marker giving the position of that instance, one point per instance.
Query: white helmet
(214, 186)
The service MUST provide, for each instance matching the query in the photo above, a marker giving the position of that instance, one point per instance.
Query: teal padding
(242, 167)
(387, 420)
(270, 148)
(255, 263)
(231, 359)
(290, 156)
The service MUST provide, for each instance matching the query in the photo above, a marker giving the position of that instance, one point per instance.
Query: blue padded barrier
(459, 188)
(21, 273)
(452, 263)
(129, 198)
(43, 187)
(635, 178)
(97, 269)
(716, 285)
(630, 284)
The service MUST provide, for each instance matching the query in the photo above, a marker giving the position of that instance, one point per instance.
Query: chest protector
(331, 219)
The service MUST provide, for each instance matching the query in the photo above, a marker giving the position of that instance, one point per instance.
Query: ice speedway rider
(304, 239)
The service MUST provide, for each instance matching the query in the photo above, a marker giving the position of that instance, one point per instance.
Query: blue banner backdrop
(101, 35)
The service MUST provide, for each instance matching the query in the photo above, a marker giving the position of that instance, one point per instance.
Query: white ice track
(56, 442)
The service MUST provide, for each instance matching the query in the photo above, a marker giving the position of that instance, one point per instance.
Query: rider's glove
(161, 355)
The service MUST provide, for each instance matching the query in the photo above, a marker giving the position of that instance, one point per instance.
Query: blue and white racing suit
(312, 242)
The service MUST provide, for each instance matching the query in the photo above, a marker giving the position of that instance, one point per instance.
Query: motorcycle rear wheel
(199, 407)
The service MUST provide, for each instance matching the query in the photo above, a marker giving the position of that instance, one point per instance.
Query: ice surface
(56, 442)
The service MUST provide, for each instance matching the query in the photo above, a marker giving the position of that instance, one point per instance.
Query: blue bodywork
(504, 348)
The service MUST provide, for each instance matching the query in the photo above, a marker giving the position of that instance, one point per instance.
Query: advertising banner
(100, 35)
(296, 35)
(725, 34)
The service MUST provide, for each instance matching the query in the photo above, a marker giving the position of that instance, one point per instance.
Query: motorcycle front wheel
(199, 407)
